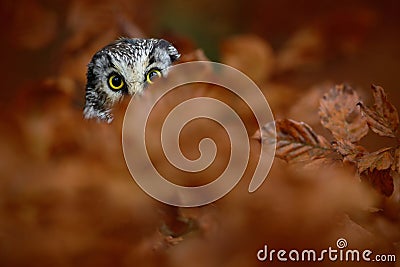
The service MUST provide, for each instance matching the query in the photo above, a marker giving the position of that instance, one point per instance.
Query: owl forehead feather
(132, 50)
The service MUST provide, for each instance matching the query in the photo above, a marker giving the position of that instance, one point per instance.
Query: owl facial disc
(124, 67)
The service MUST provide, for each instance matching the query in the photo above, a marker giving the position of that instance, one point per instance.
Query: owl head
(125, 67)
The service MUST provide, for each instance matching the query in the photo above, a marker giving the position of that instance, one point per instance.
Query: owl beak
(135, 88)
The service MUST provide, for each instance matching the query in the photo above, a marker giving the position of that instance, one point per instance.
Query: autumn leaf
(379, 160)
(382, 117)
(339, 113)
(381, 180)
(350, 151)
(295, 141)
(396, 164)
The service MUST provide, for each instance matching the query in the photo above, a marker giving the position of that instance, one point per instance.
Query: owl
(125, 67)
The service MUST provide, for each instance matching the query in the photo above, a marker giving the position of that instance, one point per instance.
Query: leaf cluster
(348, 119)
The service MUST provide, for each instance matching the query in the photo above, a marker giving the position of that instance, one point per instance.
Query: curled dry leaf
(296, 141)
(381, 180)
(382, 117)
(339, 113)
(380, 160)
(396, 165)
(350, 151)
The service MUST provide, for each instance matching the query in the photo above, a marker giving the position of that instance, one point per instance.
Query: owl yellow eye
(152, 74)
(115, 82)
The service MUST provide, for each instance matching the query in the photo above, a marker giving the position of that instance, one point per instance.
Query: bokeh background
(66, 196)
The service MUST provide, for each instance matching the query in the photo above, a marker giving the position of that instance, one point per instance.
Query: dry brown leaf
(350, 151)
(382, 117)
(381, 180)
(339, 113)
(379, 160)
(296, 141)
(396, 164)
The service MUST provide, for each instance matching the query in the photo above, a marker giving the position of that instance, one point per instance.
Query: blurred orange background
(66, 196)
